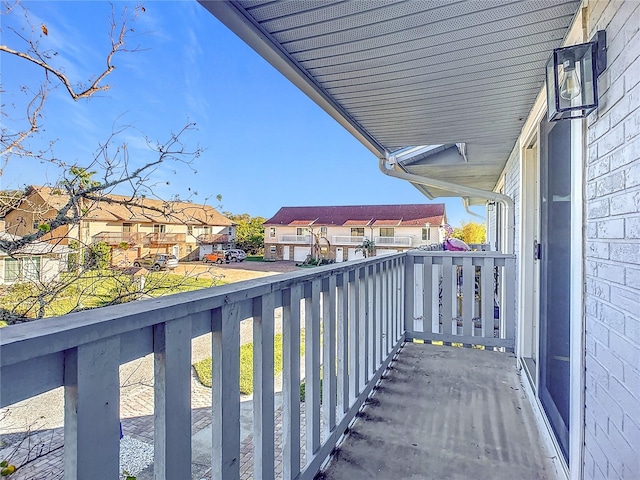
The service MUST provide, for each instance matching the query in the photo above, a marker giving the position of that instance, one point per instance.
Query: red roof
(397, 215)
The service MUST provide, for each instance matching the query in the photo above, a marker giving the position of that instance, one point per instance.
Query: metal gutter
(462, 190)
(231, 14)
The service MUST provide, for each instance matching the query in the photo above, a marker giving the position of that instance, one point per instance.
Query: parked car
(235, 255)
(157, 261)
(215, 257)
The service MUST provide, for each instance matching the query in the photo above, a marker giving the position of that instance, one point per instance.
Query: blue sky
(266, 144)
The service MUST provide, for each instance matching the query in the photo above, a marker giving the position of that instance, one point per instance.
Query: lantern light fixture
(572, 78)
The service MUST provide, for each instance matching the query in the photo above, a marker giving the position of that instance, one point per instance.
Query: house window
(230, 230)
(159, 228)
(207, 230)
(357, 232)
(272, 249)
(127, 227)
(190, 229)
(189, 248)
(21, 269)
(301, 231)
(426, 234)
(272, 232)
(323, 232)
(386, 232)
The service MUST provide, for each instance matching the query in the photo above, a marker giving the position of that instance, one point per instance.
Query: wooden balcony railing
(166, 238)
(357, 313)
(213, 238)
(117, 238)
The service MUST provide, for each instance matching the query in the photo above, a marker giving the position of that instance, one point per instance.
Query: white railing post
(291, 381)
(263, 401)
(91, 411)
(225, 402)
(363, 327)
(172, 399)
(312, 368)
(509, 298)
(329, 356)
(409, 293)
(468, 295)
(354, 335)
(487, 297)
(447, 294)
(343, 344)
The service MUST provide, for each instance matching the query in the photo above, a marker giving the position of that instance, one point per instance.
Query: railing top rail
(447, 253)
(36, 339)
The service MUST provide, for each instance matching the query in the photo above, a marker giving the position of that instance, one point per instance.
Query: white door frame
(576, 290)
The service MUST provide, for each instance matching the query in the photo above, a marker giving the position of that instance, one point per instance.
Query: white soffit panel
(420, 72)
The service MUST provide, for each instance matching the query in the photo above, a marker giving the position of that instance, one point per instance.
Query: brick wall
(612, 414)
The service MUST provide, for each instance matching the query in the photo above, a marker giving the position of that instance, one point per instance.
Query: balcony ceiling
(408, 73)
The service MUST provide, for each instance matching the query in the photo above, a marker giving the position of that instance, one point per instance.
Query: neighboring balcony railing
(118, 238)
(393, 241)
(295, 239)
(355, 317)
(166, 238)
(347, 240)
(213, 238)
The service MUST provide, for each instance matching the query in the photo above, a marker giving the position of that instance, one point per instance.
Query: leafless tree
(81, 186)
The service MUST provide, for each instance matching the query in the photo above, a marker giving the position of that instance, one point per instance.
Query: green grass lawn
(203, 367)
(93, 289)
(254, 258)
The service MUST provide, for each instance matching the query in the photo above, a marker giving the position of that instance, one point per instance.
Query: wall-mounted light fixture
(572, 78)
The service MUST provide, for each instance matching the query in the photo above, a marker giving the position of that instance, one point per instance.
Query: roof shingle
(358, 215)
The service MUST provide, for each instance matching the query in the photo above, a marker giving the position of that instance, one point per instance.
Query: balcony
(157, 239)
(347, 240)
(361, 320)
(303, 239)
(118, 238)
(393, 241)
(213, 238)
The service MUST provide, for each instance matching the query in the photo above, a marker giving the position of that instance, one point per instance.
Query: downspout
(473, 214)
(505, 200)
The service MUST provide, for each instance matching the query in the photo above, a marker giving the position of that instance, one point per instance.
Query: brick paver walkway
(137, 422)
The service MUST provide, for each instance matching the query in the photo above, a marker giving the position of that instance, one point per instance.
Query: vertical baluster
(91, 410)
(382, 304)
(447, 294)
(399, 299)
(329, 357)
(508, 306)
(263, 412)
(390, 303)
(372, 321)
(225, 391)
(363, 338)
(172, 398)
(409, 292)
(291, 381)
(468, 295)
(487, 297)
(354, 335)
(429, 323)
(312, 368)
(343, 343)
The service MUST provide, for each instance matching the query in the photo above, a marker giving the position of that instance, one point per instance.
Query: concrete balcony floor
(445, 413)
